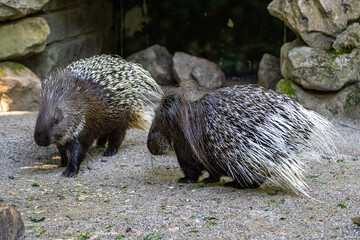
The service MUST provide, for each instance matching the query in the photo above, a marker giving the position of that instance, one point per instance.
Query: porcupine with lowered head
(93, 98)
(244, 132)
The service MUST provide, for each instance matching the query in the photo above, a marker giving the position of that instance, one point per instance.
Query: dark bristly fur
(245, 132)
(95, 98)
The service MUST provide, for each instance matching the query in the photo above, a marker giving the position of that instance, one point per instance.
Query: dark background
(201, 28)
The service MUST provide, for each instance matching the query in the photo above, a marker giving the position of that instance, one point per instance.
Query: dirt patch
(129, 197)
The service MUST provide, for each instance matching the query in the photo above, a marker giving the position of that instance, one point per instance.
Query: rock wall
(40, 35)
(321, 69)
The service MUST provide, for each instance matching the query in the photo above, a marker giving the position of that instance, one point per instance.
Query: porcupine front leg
(114, 141)
(63, 156)
(188, 165)
(76, 152)
(102, 140)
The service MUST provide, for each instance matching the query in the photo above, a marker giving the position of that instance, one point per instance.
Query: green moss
(15, 67)
(334, 53)
(285, 86)
(352, 101)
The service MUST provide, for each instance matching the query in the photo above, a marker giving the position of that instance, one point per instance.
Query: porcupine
(94, 98)
(245, 132)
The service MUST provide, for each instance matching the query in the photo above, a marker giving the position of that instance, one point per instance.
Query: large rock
(317, 69)
(23, 37)
(60, 54)
(78, 20)
(11, 225)
(19, 88)
(158, 61)
(345, 102)
(318, 22)
(269, 73)
(12, 9)
(349, 39)
(188, 68)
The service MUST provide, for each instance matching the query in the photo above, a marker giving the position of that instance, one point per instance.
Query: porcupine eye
(58, 116)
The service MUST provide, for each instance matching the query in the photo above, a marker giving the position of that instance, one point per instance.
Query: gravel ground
(129, 197)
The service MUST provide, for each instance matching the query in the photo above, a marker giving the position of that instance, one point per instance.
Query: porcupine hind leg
(76, 151)
(114, 141)
(101, 141)
(63, 156)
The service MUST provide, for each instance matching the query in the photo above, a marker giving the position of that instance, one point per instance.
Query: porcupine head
(61, 112)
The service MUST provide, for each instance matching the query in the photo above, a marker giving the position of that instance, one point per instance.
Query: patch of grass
(35, 185)
(11, 177)
(119, 236)
(30, 198)
(62, 197)
(194, 230)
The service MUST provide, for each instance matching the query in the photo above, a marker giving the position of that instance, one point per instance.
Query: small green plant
(41, 232)
(341, 205)
(210, 221)
(120, 236)
(36, 219)
(35, 185)
(311, 176)
(83, 236)
(30, 198)
(152, 236)
(33, 226)
(194, 230)
(62, 197)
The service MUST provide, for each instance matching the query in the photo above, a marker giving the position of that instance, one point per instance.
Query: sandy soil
(129, 197)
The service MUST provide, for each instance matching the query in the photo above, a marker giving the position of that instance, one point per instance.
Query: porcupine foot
(68, 173)
(114, 141)
(212, 179)
(236, 184)
(110, 151)
(187, 180)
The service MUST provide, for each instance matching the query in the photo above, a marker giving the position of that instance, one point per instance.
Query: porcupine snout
(42, 138)
(157, 143)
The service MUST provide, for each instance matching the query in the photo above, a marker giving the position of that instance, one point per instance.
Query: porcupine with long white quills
(94, 98)
(246, 132)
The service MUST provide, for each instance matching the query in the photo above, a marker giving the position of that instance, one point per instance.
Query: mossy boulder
(19, 88)
(317, 69)
(345, 102)
(23, 37)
